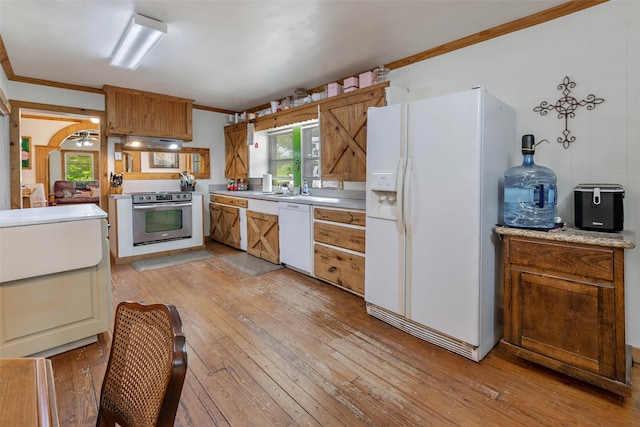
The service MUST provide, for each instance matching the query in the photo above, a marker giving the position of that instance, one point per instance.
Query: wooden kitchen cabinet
(134, 112)
(343, 132)
(564, 304)
(263, 239)
(236, 151)
(225, 220)
(339, 247)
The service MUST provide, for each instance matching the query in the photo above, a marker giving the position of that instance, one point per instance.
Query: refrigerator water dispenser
(382, 202)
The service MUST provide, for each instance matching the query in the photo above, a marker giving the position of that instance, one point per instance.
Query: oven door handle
(159, 205)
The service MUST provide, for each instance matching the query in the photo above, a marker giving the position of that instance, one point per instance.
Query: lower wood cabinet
(225, 220)
(225, 225)
(339, 246)
(262, 236)
(564, 308)
(342, 268)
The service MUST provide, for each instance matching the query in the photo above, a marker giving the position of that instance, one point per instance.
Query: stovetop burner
(161, 197)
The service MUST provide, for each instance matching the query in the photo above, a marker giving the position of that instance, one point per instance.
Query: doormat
(171, 260)
(250, 264)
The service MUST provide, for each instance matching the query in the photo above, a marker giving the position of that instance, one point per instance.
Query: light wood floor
(283, 349)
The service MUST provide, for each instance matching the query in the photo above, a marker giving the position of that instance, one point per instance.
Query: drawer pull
(324, 233)
(355, 267)
(324, 257)
(354, 240)
(351, 218)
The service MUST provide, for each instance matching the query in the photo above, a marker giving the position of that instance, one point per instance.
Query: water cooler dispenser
(530, 193)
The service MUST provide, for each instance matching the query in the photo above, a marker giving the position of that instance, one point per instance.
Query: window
(294, 155)
(281, 156)
(311, 155)
(78, 166)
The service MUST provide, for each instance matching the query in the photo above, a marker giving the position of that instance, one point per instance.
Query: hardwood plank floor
(283, 349)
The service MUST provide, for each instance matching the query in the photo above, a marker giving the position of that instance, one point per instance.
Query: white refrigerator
(434, 172)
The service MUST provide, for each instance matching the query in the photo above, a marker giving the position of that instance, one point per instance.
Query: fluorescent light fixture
(95, 120)
(142, 35)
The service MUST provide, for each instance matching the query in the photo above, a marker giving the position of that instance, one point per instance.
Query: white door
(443, 195)
(385, 242)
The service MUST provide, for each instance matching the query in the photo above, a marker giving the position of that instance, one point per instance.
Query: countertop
(50, 214)
(337, 202)
(625, 239)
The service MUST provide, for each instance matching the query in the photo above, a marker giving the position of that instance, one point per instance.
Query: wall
(5, 170)
(598, 49)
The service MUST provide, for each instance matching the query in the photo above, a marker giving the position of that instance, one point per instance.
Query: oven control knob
(148, 197)
(140, 197)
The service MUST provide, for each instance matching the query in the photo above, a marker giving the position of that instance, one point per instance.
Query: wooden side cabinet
(564, 304)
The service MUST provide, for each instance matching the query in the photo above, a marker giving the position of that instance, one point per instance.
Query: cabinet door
(339, 267)
(343, 133)
(262, 236)
(231, 226)
(344, 237)
(236, 152)
(216, 231)
(569, 321)
(134, 112)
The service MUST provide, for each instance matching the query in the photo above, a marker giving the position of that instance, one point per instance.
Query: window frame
(68, 153)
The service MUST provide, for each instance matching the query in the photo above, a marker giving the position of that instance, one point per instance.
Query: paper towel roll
(267, 183)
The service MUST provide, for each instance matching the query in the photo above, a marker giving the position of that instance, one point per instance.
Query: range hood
(148, 143)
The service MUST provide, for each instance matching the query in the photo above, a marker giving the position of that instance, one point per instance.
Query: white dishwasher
(294, 221)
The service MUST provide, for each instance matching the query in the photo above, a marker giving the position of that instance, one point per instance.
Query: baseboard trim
(635, 355)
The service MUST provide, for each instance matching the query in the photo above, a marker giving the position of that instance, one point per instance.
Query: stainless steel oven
(161, 217)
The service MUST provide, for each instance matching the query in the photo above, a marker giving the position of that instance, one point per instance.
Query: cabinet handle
(324, 233)
(351, 218)
(324, 257)
(355, 267)
(354, 240)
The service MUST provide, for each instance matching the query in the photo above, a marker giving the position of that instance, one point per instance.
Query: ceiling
(235, 55)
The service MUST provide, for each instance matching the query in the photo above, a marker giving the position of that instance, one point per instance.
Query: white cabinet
(55, 282)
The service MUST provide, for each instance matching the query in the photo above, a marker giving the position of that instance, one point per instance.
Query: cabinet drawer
(339, 267)
(344, 217)
(590, 261)
(344, 237)
(226, 200)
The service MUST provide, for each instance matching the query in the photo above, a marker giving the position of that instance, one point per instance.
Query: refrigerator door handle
(406, 214)
(399, 192)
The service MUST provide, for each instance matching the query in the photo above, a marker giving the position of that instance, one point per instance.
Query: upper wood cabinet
(236, 163)
(343, 132)
(134, 112)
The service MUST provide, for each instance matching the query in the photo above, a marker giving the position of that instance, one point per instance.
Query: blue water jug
(530, 193)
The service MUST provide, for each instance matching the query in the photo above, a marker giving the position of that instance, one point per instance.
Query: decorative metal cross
(566, 107)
